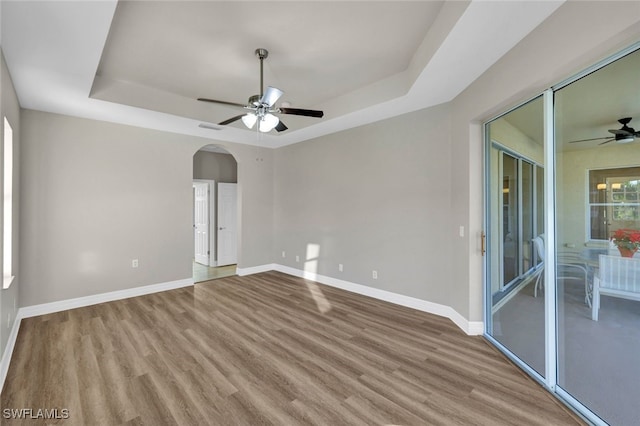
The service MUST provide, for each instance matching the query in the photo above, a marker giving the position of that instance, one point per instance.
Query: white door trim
(227, 225)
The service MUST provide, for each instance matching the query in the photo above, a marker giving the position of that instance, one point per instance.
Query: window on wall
(614, 200)
(7, 202)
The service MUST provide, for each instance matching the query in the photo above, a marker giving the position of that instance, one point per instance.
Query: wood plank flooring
(265, 349)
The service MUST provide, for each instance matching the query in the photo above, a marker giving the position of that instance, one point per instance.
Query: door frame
(520, 160)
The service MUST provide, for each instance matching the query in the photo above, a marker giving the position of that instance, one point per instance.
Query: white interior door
(201, 222)
(227, 223)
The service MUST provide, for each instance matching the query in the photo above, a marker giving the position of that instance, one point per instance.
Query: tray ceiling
(143, 63)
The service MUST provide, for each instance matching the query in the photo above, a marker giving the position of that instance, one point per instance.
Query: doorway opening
(215, 212)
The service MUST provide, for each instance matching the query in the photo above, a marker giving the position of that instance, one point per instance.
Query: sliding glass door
(515, 155)
(562, 187)
(597, 195)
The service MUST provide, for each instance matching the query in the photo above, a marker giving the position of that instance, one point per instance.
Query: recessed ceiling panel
(317, 50)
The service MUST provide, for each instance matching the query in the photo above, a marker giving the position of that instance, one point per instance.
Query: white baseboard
(255, 269)
(475, 328)
(8, 350)
(79, 302)
(472, 328)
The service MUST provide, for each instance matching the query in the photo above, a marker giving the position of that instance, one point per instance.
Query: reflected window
(614, 200)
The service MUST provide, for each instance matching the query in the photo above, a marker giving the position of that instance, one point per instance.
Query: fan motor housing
(262, 53)
(254, 100)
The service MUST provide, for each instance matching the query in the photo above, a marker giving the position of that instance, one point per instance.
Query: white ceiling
(143, 63)
(316, 52)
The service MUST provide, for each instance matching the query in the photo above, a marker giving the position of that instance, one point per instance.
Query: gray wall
(392, 196)
(9, 298)
(215, 166)
(97, 195)
(375, 197)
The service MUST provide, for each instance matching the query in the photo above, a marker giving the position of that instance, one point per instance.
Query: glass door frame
(521, 160)
(549, 378)
(551, 309)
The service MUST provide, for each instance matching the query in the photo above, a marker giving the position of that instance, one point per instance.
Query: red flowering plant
(627, 239)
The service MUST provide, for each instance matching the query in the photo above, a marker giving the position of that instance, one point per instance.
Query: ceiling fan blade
(305, 112)
(281, 127)
(215, 101)
(607, 141)
(271, 95)
(592, 139)
(620, 132)
(231, 120)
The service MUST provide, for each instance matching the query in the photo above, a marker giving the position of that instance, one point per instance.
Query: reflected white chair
(618, 277)
(568, 265)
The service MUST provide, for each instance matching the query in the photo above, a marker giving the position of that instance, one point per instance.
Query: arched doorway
(215, 213)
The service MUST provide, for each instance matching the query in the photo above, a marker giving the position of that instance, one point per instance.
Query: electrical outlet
(374, 274)
(461, 231)
(134, 263)
(340, 267)
(284, 254)
(297, 258)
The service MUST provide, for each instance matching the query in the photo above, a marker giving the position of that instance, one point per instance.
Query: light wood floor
(266, 349)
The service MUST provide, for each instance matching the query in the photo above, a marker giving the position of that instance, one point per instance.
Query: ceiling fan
(625, 134)
(262, 107)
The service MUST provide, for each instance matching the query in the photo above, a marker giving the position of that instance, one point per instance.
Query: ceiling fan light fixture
(249, 120)
(626, 139)
(261, 106)
(268, 122)
(271, 96)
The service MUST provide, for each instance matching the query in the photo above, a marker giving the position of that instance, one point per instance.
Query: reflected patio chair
(618, 277)
(568, 267)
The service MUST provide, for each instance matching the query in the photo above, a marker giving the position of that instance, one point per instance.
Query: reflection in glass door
(598, 194)
(528, 215)
(514, 217)
(510, 215)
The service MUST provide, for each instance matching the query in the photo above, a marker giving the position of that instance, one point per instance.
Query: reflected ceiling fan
(261, 108)
(625, 134)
